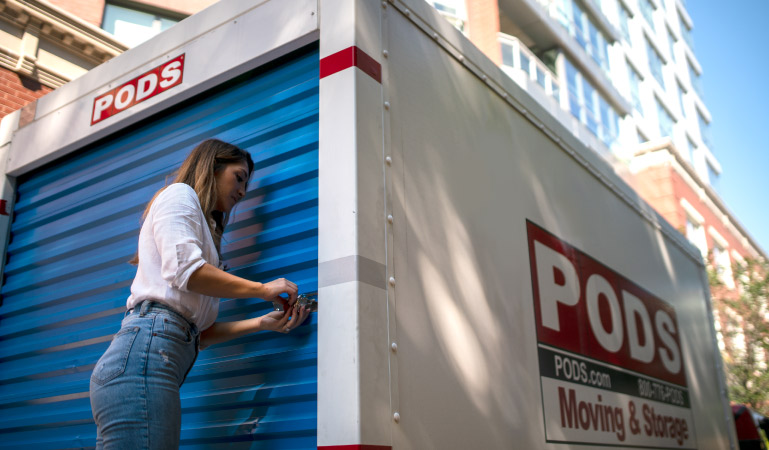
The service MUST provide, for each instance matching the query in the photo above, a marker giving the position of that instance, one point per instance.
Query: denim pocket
(113, 362)
(171, 329)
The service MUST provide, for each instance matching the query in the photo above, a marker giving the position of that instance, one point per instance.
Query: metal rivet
(390, 218)
(385, 53)
(435, 35)
(389, 161)
(392, 281)
(394, 347)
(384, 4)
(484, 77)
(461, 58)
(407, 12)
(396, 417)
(504, 95)
(387, 105)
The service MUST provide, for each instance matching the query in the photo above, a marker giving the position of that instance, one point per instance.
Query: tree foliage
(744, 317)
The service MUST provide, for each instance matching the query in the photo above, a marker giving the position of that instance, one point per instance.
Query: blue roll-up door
(76, 224)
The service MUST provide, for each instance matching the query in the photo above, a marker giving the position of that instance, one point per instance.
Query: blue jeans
(135, 384)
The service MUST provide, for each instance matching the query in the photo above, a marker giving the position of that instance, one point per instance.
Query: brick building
(44, 44)
(42, 47)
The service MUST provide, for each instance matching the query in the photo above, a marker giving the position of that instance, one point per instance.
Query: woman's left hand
(279, 320)
(282, 322)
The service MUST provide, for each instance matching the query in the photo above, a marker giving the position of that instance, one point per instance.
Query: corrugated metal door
(66, 279)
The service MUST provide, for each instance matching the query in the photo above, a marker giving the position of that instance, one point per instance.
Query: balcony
(526, 69)
(549, 25)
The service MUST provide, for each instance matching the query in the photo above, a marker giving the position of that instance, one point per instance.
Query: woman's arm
(273, 321)
(214, 282)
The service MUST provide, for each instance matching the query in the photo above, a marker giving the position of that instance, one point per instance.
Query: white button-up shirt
(174, 242)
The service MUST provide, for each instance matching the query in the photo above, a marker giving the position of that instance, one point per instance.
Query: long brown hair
(198, 171)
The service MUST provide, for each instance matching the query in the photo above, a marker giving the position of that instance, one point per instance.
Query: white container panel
(472, 180)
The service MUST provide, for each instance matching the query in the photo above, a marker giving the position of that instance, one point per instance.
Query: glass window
(579, 26)
(540, 76)
(573, 89)
(647, 10)
(132, 27)
(593, 31)
(603, 53)
(691, 228)
(443, 6)
(717, 252)
(713, 177)
(704, 130)
(665, 120)
(624, 18)
(681, 99)
(583, 29)
(722, 264)
(525, 63)
(590, 110)
(695, 79)
(609, 123)
(695, 233)
(452, 10)
(563, 12)
(686, 33)
(507, 54)
(635, 81)
(655, 64)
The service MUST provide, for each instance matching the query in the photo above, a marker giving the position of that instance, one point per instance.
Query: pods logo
(137, 90)
(584, 307)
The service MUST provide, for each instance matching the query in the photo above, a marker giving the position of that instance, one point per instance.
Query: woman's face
(230, 185)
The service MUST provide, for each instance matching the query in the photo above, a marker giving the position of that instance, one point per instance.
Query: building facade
(44, 44)
(132, 22)
(42, 47)
(623, 75)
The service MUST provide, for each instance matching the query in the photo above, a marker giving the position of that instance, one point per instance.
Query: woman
(174, 302)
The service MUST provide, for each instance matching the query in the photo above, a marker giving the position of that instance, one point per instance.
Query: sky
(731, 42)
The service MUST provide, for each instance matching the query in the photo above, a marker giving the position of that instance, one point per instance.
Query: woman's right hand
(274, 290)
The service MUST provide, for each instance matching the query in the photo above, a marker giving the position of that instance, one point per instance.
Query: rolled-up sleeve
(177, 228)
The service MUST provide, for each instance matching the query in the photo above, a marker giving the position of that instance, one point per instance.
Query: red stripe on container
(355, 447)
(351, 57)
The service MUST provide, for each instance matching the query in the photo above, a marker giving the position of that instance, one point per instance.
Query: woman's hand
(274, 290)
(272, 321)
(279, 320)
